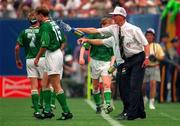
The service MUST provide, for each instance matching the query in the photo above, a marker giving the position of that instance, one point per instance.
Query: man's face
(118, 19)
(39, 17)
(150, 37)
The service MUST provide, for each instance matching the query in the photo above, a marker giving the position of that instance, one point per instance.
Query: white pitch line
(169, 116)
(111, 121)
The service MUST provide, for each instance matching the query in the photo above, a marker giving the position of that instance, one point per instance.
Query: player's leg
(33, 76)
(53, 98)
(34, 93)
(97, 95)
(107, 93)
(54, 61)
(95, 74)
(46, 91)
(55, 81)
(106, 78)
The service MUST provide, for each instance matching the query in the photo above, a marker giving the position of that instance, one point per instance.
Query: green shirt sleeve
(20, 38)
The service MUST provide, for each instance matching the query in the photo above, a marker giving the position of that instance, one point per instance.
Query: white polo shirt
(110, 42)
(134, 39)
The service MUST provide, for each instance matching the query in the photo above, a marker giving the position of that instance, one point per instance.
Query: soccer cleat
(98, 109)
(66, 116)
(38, 115)
(108, 109)
(53, 106)
(48, 115)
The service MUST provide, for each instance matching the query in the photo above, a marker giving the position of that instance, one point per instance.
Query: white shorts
(54, 62)
(99, 68)
(34, 71)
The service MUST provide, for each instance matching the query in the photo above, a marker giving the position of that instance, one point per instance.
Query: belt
(156, 65)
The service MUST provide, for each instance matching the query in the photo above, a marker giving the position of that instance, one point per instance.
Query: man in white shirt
(136, 57)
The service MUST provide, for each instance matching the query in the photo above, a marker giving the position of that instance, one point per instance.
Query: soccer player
(51, 41)
(29, 39)
(100, 62)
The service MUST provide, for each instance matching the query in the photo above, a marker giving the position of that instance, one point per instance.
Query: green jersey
(51, 36)
(30, 40)
(101, 52)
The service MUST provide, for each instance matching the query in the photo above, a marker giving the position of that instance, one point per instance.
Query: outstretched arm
(88, 30)
(91, 41)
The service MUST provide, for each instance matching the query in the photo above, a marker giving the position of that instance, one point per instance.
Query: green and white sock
(107, 96)
(97, 97)
(35, 99)
(47, 99)
(62, 101)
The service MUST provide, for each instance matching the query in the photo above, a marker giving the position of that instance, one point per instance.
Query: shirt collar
(124, 25)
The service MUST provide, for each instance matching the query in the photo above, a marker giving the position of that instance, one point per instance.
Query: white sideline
(111, 121)
(169, 116)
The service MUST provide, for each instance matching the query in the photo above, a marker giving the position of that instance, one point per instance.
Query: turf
(17, 112)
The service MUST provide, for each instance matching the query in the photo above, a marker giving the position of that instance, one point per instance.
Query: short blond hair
(105, 21)
(31, 15)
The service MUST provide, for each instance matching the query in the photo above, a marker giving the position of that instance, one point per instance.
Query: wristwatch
(147, 57)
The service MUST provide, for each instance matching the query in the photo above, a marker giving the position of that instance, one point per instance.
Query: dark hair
(42, 10)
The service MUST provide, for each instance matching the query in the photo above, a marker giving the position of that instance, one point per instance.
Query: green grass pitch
(17, 112)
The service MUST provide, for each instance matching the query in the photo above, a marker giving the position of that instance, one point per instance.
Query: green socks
(62, 100)
(35, 99)
(47, 99)
(107, 96)
(41, 97)
(97, 98)
(53, 98)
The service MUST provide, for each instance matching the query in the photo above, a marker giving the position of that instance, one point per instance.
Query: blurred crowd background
(79, 8)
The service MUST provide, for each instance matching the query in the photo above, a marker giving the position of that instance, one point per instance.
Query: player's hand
(145, 63)
(81, 61)
(36, 62)
(19, 64)
(82, 40)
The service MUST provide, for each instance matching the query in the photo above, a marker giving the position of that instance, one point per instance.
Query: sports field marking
(169, 116)
(111, 121)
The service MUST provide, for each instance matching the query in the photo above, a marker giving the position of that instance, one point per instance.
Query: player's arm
(112, 60)
(19, 44)
(40, 53)
(63, 41)
(45, 39)
(88, 30)
(81, 56)
(19, 63)
(91, 41)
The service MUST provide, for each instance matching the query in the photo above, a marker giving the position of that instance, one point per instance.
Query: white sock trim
(96, 91)
(34, 91)
(107, 90)
(59, 92)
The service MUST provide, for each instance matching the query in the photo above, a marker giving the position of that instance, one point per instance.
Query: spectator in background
(7, 10)
(72, 80)
(152, 71)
